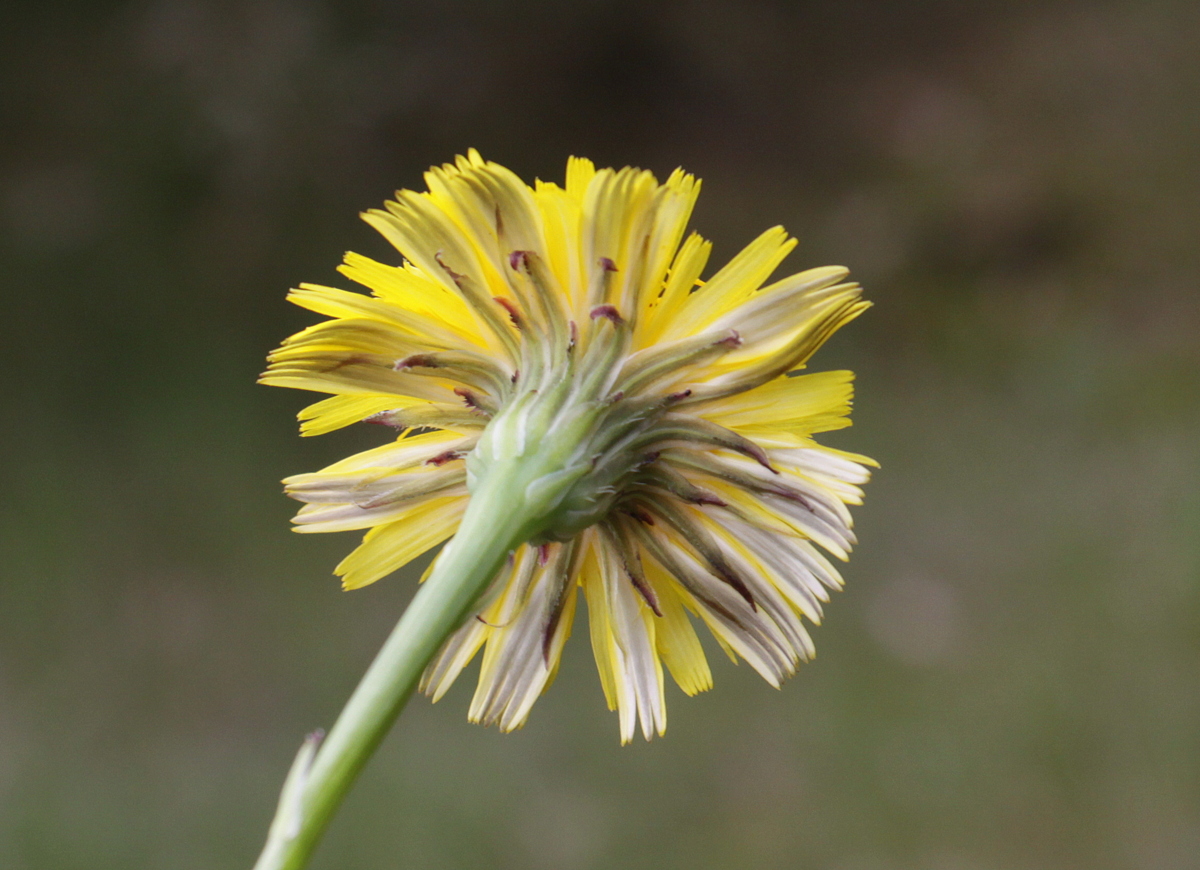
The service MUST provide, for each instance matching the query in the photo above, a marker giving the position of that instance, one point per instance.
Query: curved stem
(493, 525)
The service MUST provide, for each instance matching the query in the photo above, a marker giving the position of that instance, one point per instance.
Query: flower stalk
(495, 523)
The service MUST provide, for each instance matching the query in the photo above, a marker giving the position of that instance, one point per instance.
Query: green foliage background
(1010, 680)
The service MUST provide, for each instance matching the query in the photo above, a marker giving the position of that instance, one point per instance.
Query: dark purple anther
(384, 418)
(640, 515)
(417, 360)
(508, 305)
(455, 276)
(442, 458)
(468, 398)
(609, 311)
(702, 497)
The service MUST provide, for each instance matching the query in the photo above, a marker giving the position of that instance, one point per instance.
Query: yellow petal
(561, 216)
(338, 411)
(341, 303)
(793, 406)
(732, 285)
(676, 637)
(619, 211)
(409, 289)
(599, 623)
(386, 548)
(685, 271)
(405, 452)
(580, 172)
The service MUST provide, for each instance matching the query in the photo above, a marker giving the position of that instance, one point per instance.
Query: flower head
(656, 444)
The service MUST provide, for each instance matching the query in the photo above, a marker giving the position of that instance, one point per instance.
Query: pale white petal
(520, 660)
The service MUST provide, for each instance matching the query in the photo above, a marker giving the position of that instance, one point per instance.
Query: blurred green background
(1011, 680)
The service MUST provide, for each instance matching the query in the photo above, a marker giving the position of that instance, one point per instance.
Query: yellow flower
(657, 444)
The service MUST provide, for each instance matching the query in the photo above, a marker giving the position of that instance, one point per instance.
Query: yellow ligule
(733, 284)
(425, 524)
(796, 406)
(580, 172)
(600, 626)
(338, 411)
(683, 276)
(676, 638)
(407, 288)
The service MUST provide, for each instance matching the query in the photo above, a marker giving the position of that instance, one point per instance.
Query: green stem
(494, 524)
